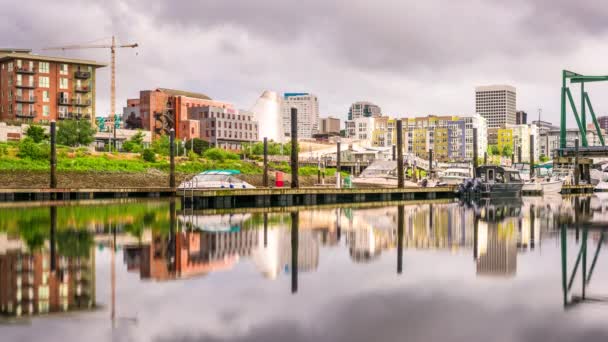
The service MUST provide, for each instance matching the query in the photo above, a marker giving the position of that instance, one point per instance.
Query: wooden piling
(400, 173)
(576, 167)
(53, 182)
(265, 179)
(294, 149)
(531, 156)
(474, 150)
(172, 158)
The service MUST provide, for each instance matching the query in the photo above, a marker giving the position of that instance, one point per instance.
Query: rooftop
(6, 54)
(175, 92)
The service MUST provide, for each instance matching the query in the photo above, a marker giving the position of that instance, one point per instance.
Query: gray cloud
(410, 316)
(411, 57)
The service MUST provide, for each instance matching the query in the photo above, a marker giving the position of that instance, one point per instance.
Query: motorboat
(455, 175)
(493, 182)
(215, 179)
(545, 186)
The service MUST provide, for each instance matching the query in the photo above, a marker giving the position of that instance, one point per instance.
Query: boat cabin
(497, 174)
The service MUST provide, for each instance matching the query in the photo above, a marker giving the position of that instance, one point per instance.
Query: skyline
(415, 59)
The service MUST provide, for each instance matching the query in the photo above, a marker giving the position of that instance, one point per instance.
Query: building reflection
(44, 272)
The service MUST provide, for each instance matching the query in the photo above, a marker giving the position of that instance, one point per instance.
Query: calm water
(433, 271)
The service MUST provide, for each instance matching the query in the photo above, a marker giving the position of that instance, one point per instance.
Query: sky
(410, 57)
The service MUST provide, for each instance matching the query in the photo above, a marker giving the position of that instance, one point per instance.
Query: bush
(36, 133)
(148, 155)
(198, 145)
(3, 150)
(192, 156)
(219, 154)
(135, 144)
(31, 150)
(161, 145)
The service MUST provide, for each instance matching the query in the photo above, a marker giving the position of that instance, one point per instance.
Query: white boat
(547, 186)
(455, 175)
(215, 179)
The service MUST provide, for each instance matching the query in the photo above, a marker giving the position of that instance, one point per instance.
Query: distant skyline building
(364, 109)
(308, 114)
(603, 122)
(521, 117)
(267, 110)
(497, 104)
(329, 125)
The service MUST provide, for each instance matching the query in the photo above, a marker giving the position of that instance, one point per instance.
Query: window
(43, 67)
(45, 96)
(45, 110)
(18, 63)
(63, 69)
(43, 81)
(63, 82)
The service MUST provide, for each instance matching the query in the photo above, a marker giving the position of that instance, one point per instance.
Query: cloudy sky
(410, 57)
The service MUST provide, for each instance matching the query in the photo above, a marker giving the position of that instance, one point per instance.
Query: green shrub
(74, 133)
(192, 156)
(219, 154)
(3, 150)
(31, 150)
(36, 133)
(148, 155)
(161, 145)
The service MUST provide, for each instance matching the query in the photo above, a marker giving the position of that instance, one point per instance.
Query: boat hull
(451, 180)
(552, 187)
(498, 190)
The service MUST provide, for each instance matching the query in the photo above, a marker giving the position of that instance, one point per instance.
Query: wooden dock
(271, 197)
(46, 194)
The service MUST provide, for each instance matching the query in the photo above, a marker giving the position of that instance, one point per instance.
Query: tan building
(329, 125)
(497, 104)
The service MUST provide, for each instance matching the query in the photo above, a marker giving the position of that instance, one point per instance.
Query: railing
(30, 99)
(63, 101)
(82, 89)
(25, 70)
(82, 74)
(26, 114)
(81, 102)
(25, 85)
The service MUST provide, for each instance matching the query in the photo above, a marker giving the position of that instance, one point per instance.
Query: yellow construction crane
(112, 48)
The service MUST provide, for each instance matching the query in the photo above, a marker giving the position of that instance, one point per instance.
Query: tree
(161, 145)
(543, 158)
(36, 133)
(507, 151)
(493, 150)
(75, 132)
(134, 122)
(74, 243)
(198, 145)
(135, 143)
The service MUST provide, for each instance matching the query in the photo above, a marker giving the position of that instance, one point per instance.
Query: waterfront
(476, 271)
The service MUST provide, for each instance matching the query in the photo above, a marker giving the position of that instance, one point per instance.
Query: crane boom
(112, 48)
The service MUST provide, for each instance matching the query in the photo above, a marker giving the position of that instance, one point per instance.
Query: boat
(544, 186)
(215, 179)
(493, 182)
(455, 174)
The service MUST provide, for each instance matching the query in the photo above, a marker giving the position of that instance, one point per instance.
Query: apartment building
(224, 127)
(36, 88)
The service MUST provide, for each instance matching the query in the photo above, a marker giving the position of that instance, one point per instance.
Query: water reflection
(48, 256)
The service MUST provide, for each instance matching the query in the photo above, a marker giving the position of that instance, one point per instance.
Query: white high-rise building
(475, 121)
(497, 104)
(308, 114)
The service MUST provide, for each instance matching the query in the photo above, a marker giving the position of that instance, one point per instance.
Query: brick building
(161, 109)
(193, 115)
(44, 88)
(28, 286)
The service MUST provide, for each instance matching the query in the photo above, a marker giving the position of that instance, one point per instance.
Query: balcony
(25, 114)
(81, 102)
(27, 85)
(74, 116)
(26, 99)
(82, 89)
(83, 75)
(25, 70)
(63, 101)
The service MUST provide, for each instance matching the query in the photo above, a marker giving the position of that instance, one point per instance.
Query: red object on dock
(279, 180)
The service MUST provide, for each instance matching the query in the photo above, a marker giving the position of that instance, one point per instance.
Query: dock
(270, 197)
(66, 194)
